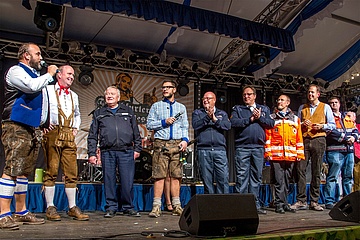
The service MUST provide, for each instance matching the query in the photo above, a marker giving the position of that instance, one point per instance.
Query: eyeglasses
(247, 94)
(333, 102)
(167, 87)
(207, 98)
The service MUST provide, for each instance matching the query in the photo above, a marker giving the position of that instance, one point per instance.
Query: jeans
(314, 150)
(214, 167)
(282, 174)
(338, 162)
(124, 162)
(249, 165)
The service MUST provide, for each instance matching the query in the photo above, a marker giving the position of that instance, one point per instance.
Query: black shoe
(279, 209)
(132, 213)
(329, 206)
(287, 208)
(109, 214)
(261, 211)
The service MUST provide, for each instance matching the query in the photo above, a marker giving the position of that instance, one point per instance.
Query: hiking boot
(287, 208)
(8, 223)
(29, 218)
(131, 213)
(279, 209)
(300, 206)
(52, 214)
(155, 212)
(177, 211)
(315, 206)
(76, 213)
(329, 206)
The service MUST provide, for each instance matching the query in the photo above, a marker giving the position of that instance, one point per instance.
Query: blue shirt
(158, 114)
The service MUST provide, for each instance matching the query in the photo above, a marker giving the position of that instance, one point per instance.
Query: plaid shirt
(162, 110)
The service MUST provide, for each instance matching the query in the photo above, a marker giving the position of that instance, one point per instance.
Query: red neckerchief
(66, 90)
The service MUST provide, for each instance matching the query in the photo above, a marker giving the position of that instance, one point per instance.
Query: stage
(305, 224)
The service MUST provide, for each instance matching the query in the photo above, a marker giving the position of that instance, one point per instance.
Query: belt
(168, 141)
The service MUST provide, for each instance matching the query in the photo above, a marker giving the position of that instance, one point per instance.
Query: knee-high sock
(71, 195)
(49, 195)
(7, 188)
(21, 186)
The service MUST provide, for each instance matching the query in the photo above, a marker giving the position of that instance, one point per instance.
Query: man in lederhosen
(59, 143)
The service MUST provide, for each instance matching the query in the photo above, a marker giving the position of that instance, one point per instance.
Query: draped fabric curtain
(195, 18)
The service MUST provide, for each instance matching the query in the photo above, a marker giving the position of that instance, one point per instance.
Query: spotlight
(203, 67)
(110, 53)
(221, 95)
(182, 89)
(90, 49)
(86, 77)
(301, 81)
(289, 79)
(259, 55)
(189, 65)
(174, 63)
(326, 85)
(155, 59)
(47, 17)
(130, 56)
(68, 47)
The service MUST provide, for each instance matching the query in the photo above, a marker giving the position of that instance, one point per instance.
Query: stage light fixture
(70, 47)
(110, 53)
(301, 81)
(86, 76)
(130, 55)
(183, 89)
(155, 59)
(189, 65)
(259, 55)
(90, 49)
(173, 62)
(203, 67)
(47, 16)
(221, 95)
(289, 79)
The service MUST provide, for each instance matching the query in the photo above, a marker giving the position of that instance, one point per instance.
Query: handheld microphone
(43, 64)
(177, 116)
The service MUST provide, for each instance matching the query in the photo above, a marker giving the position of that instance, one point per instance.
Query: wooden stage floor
(271, 226)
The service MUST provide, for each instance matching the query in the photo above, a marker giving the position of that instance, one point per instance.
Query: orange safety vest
(284, 141)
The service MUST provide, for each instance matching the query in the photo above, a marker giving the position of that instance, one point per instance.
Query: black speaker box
(220, 215)
(347, 209)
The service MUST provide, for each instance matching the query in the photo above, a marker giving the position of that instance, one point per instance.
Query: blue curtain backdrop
(90, 196)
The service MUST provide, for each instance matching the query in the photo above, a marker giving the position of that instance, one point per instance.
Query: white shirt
(18, 78)
(66, 105)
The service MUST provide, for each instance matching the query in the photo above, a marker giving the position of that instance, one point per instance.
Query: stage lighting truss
(86, 76)
(130, 56)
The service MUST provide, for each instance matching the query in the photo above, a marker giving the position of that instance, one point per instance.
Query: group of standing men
(286, 140)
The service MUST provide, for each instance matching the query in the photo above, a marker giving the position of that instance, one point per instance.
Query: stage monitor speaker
(220, 215)
(347, 209)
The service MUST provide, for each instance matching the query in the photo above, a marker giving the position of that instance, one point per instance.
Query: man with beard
(25, 109)
(168, 120)
(316, 118)
(283, 147)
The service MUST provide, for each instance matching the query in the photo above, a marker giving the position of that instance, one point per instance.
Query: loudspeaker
(347, 209)
(220, 215)
(47, 16)
(188, 167)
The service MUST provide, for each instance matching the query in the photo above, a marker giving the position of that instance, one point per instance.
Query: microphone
(43, 64)
(177, 116)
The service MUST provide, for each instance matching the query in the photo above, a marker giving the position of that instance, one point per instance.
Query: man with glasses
(340, 152)
(316, 118)
(249, 121)
(168, 119)
(210, 124)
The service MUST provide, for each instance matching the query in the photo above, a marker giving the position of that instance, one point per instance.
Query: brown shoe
(52, 214)
(315, 206)
(8, 223)
(29, 219)
(77, 214)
